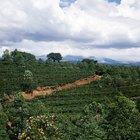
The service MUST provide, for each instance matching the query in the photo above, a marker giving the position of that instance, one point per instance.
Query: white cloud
(82, 28)
(70, 48)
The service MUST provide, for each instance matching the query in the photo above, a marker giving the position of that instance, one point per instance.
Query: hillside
(78, 101)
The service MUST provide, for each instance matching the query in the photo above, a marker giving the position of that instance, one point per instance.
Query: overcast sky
(99, 28)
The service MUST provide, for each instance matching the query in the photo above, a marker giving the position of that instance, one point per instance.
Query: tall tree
(6, 56)
(19, 57)
(28, 83)
(54, 57)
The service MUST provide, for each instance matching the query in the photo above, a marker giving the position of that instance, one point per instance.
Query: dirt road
(44, 91)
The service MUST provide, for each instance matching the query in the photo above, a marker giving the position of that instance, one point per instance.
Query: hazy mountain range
(75, 59)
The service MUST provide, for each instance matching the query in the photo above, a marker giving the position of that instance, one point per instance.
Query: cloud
(80, 25)
(66, 3)
(71, 48)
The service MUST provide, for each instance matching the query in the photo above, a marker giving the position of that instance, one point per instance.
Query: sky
(100, 28)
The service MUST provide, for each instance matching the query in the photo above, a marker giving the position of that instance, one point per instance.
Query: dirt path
(47, 91)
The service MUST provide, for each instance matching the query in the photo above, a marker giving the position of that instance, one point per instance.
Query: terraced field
(131, 90)
(71, 102)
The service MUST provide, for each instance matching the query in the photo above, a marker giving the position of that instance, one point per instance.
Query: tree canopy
(18, 57)
(6, 56)
(54, 57)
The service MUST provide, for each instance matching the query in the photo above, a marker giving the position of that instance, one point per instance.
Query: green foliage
(122, 121)
(6, 57)
(89, 61)
(17, 112)
(89, 123)
(40, 62)
(22, 58)
(40, 128)
(54, 57)
(28, 81)
(37, 108)
(17, 57)
(3, 124)
(28, 76)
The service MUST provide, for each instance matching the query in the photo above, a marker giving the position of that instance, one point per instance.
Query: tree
(40, 128)
(122, 121)
(100, 70)
(6, 56)
(28, 58)
(19, 60)
(19, 57)
(17, 112)
(28, 83)
(88, 126)
(54, 57)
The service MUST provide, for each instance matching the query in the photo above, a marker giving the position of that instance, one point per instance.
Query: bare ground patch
(44, 91)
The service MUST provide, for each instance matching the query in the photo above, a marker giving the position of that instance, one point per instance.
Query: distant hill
(109, 61)
(72, 58)
(102, 60)
(134, 63)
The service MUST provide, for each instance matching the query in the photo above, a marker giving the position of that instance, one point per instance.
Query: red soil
(44, 91)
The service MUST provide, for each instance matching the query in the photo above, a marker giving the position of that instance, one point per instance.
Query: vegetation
(54, 57)
(28, 81)
(106, 109)
(89, 61)
(40, 128)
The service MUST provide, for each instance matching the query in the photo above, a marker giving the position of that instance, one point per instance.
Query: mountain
(69, 58)
(133, 64)
(72, 58)
(75, 59)
(109, 61)
(102, 60)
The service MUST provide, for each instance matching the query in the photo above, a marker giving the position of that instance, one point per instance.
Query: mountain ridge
(102, 60)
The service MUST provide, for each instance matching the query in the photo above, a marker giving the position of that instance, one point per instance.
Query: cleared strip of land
(44, 91)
